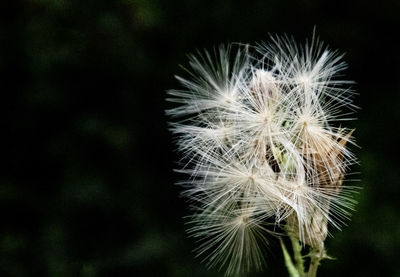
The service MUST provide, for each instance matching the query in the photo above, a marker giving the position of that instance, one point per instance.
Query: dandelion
(264, 155)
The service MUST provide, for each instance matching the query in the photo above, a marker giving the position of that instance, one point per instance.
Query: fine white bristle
(259, 143)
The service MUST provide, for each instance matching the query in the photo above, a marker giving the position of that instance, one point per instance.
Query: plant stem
(298, 258)
(316, 255)
(293, 272)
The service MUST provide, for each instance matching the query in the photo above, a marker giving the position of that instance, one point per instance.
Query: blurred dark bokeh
(86, 186)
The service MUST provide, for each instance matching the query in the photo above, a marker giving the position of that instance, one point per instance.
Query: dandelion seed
(259, 143)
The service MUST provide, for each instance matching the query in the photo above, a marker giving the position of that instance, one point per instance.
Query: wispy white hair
(259, 144)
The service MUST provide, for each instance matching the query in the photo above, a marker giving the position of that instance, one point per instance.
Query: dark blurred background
(86, 186)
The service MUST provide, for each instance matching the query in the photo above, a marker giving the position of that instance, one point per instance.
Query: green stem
(316, 256)
(298, 258)
(288, 262)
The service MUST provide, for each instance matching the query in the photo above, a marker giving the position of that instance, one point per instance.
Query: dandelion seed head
(261, 148)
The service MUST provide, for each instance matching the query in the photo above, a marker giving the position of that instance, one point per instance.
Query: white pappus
(259, 132)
